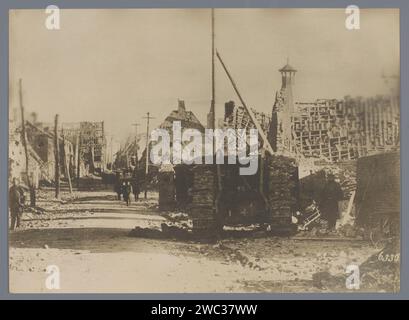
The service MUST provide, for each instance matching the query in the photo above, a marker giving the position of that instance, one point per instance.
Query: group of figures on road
(125, 186)
(127, 182)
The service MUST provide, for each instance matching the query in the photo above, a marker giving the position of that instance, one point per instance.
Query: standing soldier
(16, 203)
(135, 184)
(126, 191)
(332, 193)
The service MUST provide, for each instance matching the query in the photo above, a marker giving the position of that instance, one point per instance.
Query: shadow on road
(95, 198)
(93, 217)
(108, 209)
(98, 240)
(93, 239)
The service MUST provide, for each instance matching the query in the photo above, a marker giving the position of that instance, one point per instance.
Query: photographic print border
(5, 6)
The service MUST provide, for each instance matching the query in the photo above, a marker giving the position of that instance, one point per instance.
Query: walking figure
(16, 203)
(332, 193)
(135, 188)
(126, 191)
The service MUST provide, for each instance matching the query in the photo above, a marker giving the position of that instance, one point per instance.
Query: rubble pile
(33, 210)
(234, 255)
(176, 216)
(347, 180)
(345, 174)
(381, 271)
(150, 233)
(323, 280)
(169, 230)
(350, 231)
(178, 220)
(282, 188)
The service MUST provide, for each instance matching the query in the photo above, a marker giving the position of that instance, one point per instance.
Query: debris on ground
(149, 233)
(168, 230)
(381, 271)
(248, 258)
(350, 231)
(323, 280)
(176, 216)
(34, 210)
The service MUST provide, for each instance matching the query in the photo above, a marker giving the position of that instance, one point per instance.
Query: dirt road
(86, 236)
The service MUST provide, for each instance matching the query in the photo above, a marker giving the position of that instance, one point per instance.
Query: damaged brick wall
(378, 189)
(283, 189)
(203, 200)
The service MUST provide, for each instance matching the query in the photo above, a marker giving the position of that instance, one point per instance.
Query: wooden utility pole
(92, 155)
(213, 102)
(213, 120)
(148, 117)
(57, 159)
(66, 163)
(24, 140)
(78, 148)
(112, 152)
(136, 145)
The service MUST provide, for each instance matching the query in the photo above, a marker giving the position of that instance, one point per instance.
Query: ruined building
(88, 143)
(327, 134)
(187, 118)
(92, 146)
(333, 130)
(131, 146)
(17, 168)
(42, 141)
(330, 130)
(237, 117)
(41, 152)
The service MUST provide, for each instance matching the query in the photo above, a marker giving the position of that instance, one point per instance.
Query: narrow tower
(287, 82)
(280, 135)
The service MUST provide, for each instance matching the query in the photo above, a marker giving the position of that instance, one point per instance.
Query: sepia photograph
(225, 150)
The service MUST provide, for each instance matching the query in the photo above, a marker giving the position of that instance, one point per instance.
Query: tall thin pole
(57, 159)
(147, 145)
(213, 124)
(66, 163)
(148, 117)
(112, 152)
(213, 102)
(24, 138)
(136, 144)
(78, 158)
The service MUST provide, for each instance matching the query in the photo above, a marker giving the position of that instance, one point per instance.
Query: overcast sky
(116, 65)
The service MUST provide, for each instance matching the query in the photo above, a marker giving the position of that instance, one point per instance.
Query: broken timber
(266, 143)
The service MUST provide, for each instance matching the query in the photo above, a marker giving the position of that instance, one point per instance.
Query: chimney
(228, 109)
(287, 81)
(181, 107)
